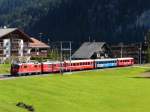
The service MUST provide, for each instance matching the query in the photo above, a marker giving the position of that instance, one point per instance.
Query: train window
(25, 66)
(49, 66)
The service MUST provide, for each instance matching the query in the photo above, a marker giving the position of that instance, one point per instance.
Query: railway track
(2, 77)
(8, 76)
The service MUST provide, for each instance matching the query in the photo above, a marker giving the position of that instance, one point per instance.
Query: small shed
(93, 50)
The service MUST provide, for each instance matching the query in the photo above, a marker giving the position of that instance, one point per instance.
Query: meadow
(106, 90)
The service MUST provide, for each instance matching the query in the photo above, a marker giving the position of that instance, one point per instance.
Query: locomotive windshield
(16, 66)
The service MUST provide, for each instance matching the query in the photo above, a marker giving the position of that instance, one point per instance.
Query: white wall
(21, 47)
(7, 47)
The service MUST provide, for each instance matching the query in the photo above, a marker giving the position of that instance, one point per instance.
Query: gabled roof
(87, 49)
(6, 31)
(37, 44)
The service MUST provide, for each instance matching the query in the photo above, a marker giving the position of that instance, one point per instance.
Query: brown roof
(6, 31)
(37, 44)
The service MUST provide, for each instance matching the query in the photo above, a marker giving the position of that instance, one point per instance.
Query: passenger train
(67, 65)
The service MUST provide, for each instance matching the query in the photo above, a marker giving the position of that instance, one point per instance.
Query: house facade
(14, 43)
(136, 50)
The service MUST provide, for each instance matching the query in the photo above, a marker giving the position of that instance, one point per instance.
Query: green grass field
(109, 90)
(4, 68)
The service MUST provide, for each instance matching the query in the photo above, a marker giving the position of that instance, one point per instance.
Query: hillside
(101, 20)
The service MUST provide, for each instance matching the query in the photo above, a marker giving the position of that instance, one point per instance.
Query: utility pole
(121, 50)
(89, 39)
(65, 49)
(140, 54)
(40, 35)
(70, 54)
(61, 56)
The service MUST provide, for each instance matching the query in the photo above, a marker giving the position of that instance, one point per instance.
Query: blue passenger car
(105, 63)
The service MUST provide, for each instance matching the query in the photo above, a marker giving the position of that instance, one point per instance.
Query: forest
(79, 20)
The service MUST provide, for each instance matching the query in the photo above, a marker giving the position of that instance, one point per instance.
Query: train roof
(26, 63)
(109, 59)
(77, 61)
(125, 58)
(51, 62)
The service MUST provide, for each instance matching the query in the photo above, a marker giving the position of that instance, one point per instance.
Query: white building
(13, 43)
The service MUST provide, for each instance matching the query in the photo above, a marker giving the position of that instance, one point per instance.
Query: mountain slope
(79, 20)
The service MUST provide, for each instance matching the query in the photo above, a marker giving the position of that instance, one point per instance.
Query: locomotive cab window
(16, 66)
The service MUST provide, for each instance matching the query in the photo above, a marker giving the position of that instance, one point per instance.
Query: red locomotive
(26, 68)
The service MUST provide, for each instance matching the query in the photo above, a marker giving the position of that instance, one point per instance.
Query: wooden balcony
(41, 54)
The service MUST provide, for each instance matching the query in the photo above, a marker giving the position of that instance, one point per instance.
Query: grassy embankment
(4, 68)
(108, 90)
